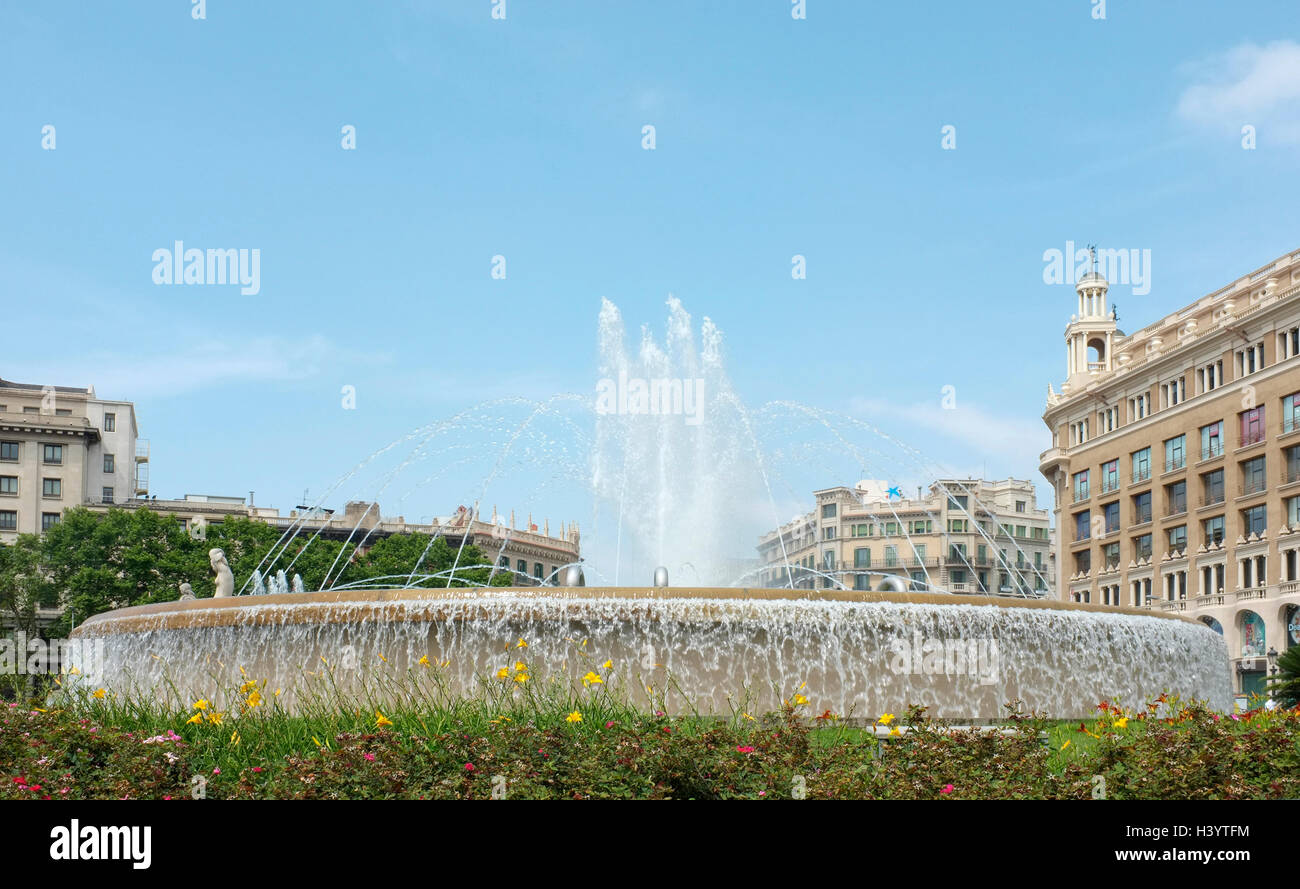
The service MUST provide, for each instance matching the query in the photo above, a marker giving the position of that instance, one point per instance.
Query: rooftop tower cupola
(1091, 332)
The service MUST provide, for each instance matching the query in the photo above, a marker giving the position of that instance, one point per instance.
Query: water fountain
(675, 467)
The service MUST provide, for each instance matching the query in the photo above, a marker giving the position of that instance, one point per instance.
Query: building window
(9, 451)
(1081, 491)
(1214, 531)
(1107, 420)
(1177, 538)
(1142, 546)
(828, 533)
(108, 495)
(1083, 562)
(1078, 432)
(1291, 413)
(1212, 483)
(1110, 555)
(1176, 498)
(1254, 520)
(891, 556)
(1253, 476)
(1082, 525)
(49, 520)
(828, 511)
(1141, 465)
(1288, 343)
(1293, 512)
(1210, 377)
(1110, 476)
(1142, 508)
(51, 487)
(1175, 453)
(957, 502)
(1252, 426)
(1111, 514)
(1292, 456)
(9, 484)
(110, 422)
(1020, 506)
(52, 454)
(108, 464)
(1250, 360)
(828, 560)
(1139, 406)
(1173, 392)
(8, 520)
(1211, 440)
(862, 557)
(504, 563)
(522, 566)
(538, 571)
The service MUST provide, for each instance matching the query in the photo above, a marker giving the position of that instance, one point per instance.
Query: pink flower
(370, 757)
(166, 797)
(762, 793)
(216, 771)
(469, 766)
(947, 788)
(609, 724)
(64, 791)
(259, 768)
(744, 749)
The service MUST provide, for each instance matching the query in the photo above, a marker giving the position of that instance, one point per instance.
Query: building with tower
(1175, 462)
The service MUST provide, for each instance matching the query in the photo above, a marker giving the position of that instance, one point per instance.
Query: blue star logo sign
(895, 492)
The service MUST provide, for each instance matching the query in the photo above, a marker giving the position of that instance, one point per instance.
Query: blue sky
(522, 137)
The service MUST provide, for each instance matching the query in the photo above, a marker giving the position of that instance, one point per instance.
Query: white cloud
(1013, 442)
(1248, 84)
(140, 373)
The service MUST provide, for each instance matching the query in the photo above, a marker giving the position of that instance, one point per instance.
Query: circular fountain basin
(855, 653)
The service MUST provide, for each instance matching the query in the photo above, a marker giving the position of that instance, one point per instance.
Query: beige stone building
(61, 446)
(963, 536)
(531, 553)
(1176, 461)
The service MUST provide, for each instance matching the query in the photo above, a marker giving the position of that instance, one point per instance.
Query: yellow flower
(277, 692)
(521, 678)
(886, 719)
(895, 733)
(747, 716)
(381, 720)
(608, 665)
(384, 659)
(521, 643)
(424, 661)
(1066, 744)
(1122, 722)
(99, 693)
(215, 718)
(234, 737)
(575, 716)
(503, 673)
(75, 671)
(591, 679)
(317, 743)
(201, 704)
(255, 700)
(800, 700)
(196, 719)
(521, 667)
(248, 686)
(241, 672)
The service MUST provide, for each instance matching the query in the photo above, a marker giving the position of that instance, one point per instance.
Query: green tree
(24, 586)
(1285, 687)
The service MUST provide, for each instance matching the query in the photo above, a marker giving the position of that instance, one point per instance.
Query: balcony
(1290, 424)
(1176, 605)
(1291, 473)
(1212, 498)
(1109, 484)
(1081, 492)
(1252, 486)
(1208, 601)
(1251, 593)
(1175, 463)
(1252, 437)
(1141, 474)
(1214, 450)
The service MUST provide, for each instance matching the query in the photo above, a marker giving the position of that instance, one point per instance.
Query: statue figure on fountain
(187, 593)
(221, 568)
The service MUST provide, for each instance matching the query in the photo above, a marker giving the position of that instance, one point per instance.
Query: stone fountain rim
(227, 611)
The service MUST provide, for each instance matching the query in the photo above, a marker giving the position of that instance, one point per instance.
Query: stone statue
(187, 593)
(225, 579)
